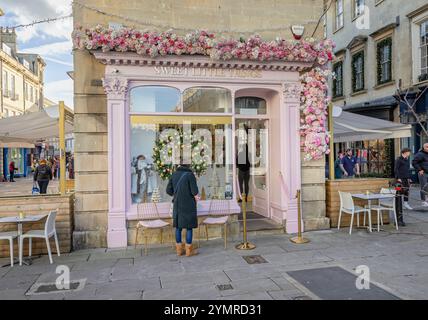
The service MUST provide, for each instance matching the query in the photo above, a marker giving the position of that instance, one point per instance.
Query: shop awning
(6, 142)
(21, 131)
(355, 127)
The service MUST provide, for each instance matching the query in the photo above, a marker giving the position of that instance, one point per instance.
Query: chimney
(8, 37)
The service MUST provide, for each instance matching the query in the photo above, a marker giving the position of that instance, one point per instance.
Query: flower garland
(314, 102)
(155, 44)
(172, 144)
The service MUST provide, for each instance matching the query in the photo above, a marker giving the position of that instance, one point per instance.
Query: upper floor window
(384, 61)
(358, 71)
(424, 50)
(339, 14)
(206, 99)
(338, 79)
(12, 84)
(5, 84)
(358, 8)
(155, 99)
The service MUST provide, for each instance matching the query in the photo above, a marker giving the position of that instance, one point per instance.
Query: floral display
(314, 102)
(155, 44)
(314, 99)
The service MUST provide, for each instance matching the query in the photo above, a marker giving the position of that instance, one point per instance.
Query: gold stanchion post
(299, 239)
(245, 245)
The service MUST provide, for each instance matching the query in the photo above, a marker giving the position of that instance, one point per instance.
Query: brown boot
(190, 251)
(180, 248)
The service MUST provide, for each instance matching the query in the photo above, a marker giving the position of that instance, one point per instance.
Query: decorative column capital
(116, 87)
(292, 91)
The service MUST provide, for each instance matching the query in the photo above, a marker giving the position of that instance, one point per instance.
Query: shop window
(155, 99)
(160, 143)
(212, 100)
(250, 106)
(384, 61)
(14, 154)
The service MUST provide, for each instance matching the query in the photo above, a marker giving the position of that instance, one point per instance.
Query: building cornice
(417, 11)
(132, 59)
(384, 29)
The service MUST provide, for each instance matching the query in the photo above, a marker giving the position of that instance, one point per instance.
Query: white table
(20, 222)
(370, 197)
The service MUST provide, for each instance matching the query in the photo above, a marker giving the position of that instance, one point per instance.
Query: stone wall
(34, 205)
(91, 183)
(313, 195)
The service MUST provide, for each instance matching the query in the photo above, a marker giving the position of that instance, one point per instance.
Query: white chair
(219, 212)
(385, 205)
(9, 235)
(347, 206)
(150, 219)
(46, 234)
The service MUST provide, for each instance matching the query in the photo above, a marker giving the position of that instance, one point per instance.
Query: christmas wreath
(166, 148)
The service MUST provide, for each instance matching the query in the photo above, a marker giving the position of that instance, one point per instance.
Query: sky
(51, 40)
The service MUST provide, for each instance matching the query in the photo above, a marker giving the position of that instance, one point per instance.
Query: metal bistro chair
(347, 206)
(47, 233)
(385, 205)
(219, 215)
(150, 219)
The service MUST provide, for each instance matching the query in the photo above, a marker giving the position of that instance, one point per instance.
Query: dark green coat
(184, 209)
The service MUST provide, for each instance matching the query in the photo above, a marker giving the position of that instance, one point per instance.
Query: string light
(41, 21)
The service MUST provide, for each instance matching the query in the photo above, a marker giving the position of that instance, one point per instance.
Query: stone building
(102, 177)
(380, 46)
(21, 85)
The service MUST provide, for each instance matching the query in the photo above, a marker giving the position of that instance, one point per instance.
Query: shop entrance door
(253, 135)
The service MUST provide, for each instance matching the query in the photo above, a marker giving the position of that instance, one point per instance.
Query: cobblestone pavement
(397, 260)
(23, 186)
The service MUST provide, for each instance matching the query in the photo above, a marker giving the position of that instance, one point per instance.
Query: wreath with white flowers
(165, 148)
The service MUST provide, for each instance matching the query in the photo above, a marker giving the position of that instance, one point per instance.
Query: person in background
(184, 190)
(420, 163)
(12, 170)
(349, 165)
(42, 175)
(337, 170)
(402, 175)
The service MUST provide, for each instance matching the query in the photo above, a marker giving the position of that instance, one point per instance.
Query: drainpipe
(331, 143)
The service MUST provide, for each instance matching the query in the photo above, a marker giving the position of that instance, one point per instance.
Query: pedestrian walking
(349, 165)
(402, 175)
(420, 163)
(12, 170)
(184, 190)
(243, 164)
(42, 175)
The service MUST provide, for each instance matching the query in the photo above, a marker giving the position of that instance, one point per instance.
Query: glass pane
(216, 100)
(208, 148)
(252, 154)
(250, 106)
(155, 99)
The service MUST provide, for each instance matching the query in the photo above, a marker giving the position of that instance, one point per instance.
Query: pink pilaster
(291, 110)
(116, 89)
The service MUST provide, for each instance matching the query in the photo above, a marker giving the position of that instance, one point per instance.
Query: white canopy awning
(355, 127)
(24, 130)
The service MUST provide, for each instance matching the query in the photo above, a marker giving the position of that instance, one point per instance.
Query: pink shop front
(217, 100)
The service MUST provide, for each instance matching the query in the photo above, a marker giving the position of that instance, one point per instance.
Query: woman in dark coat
(184, 190)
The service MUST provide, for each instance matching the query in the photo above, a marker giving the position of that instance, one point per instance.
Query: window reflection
(155, 99)
(216, 100)
(250, 106)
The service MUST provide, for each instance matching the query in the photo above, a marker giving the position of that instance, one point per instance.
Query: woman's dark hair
(404, 150)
